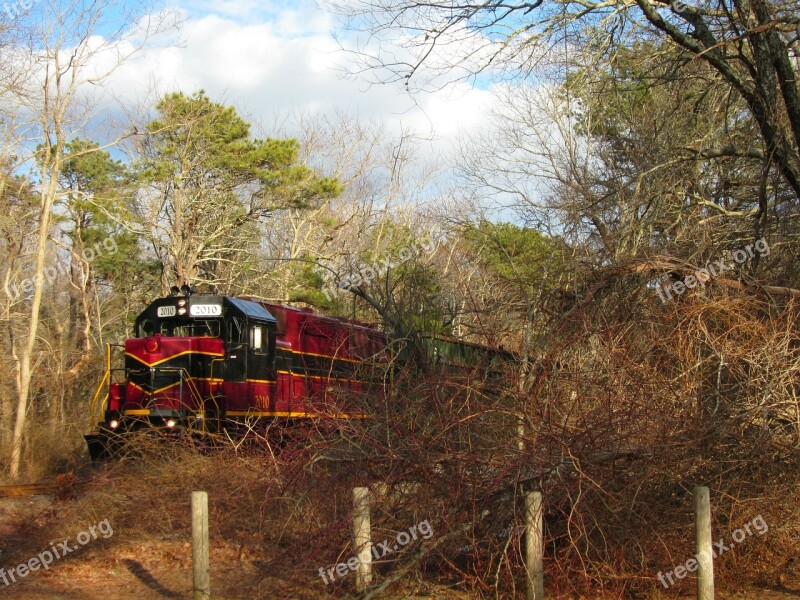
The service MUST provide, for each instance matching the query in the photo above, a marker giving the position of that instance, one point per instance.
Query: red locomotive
(204, 363)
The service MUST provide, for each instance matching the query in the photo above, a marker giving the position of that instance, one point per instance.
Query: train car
(450, 357)
(206, 363)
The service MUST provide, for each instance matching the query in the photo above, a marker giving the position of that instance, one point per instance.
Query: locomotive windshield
(180, 328)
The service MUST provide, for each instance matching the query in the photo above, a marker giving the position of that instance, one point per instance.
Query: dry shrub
(642, 410)
(633, 407)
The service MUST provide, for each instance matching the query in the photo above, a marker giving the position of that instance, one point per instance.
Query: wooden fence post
(201, 575)
(521, 433)
(702, 528)
(362, 537)
(534, 549)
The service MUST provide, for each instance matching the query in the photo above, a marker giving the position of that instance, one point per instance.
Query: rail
(27, 489)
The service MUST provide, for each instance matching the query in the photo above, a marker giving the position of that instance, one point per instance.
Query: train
(202, 364)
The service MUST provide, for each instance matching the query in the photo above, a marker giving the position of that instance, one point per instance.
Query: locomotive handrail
(106, 377)
(211, 389)
(94, 413)
(93, 404)
(192, 387)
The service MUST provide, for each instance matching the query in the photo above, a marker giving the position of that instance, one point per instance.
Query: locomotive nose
(169, 377)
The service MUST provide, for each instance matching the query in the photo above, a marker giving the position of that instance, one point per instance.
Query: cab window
(235, 333)
(146, 328)
(257, 338)
(261, 339)
(199, 328)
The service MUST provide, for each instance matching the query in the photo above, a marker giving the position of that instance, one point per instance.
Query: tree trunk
(25, 356)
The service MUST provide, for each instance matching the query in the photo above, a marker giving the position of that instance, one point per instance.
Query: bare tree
(752, 46)
(63, 50)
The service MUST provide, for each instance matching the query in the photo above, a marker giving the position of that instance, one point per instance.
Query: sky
(274, 57)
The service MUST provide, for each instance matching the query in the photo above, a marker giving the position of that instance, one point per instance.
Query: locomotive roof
(251, 309)
(316, 315)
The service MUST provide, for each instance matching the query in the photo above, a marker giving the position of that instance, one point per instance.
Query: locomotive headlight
(181, 311)
(113, 424)
(170, 423)
(182, 302)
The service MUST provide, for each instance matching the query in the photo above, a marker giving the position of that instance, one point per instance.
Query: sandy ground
(117, 569)
(158, 569)
(101, 570)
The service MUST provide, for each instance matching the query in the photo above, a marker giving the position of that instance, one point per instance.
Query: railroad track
(27, 489)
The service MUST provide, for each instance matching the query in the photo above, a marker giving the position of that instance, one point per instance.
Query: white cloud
(269, 59)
